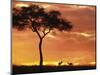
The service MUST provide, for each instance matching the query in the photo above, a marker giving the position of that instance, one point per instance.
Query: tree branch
(34, 29)
(46, 33)
(30, 19)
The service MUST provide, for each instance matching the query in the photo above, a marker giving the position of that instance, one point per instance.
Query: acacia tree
(39, 21)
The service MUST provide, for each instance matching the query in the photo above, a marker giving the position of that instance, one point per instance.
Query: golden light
(82, 34)
(76, 6)
(82, 6)
(85, 34)
(50, 36)
(21, 5)
(50, 63)
(76, 64)
(28, 64)
(92, 63)
(46, 6)
(43, 5)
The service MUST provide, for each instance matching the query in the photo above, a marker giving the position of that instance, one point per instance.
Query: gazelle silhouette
(60, 63)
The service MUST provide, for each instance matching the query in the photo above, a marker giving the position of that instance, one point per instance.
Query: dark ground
(37, 69)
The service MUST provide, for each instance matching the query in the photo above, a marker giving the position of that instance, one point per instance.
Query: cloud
(77, 37)
(51, 36)
(84, 34)
(21, 5)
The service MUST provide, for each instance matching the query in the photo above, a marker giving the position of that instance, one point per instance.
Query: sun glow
(55, 63)
(82, 34)
(92, 63)
(50, 36)
(86, 35)
(21, 5)
(50, 63)
(46, 6)
(76, 64)
(77, 7)
(28, 64)
(44, 63)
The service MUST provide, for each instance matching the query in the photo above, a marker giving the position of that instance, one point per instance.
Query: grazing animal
(70, 64)
(60, 63)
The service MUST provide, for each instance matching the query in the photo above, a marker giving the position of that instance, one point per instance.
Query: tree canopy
(36, 18)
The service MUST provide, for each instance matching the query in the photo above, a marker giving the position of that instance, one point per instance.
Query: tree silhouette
(39, 21)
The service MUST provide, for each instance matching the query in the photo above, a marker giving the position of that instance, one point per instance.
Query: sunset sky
(76, 46)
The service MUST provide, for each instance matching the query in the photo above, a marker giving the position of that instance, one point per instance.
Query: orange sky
(76, 46)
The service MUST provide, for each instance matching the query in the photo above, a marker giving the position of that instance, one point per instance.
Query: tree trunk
(40, 51)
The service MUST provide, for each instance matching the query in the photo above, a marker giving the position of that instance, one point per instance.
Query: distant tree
(39, 21)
